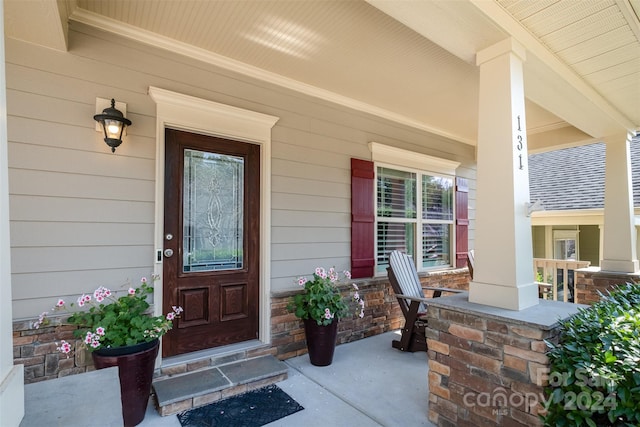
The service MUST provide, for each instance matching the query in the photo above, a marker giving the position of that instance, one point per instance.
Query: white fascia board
(568, 217)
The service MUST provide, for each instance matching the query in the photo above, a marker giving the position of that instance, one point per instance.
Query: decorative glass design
(213, 213)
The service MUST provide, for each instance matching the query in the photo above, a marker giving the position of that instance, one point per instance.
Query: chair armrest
(408, 298)
(435, 288)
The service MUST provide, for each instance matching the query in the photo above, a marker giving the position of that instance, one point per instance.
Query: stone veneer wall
(487, 367)
(36, 348)
(592, 281)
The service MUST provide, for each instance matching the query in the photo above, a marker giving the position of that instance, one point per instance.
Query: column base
(508, 297)
(12, 396)
(620, 266)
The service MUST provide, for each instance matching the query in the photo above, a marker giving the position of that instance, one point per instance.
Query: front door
(211, 240)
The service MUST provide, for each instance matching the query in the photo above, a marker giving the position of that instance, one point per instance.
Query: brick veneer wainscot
(591, 281)
(36, 348)
(487, 367)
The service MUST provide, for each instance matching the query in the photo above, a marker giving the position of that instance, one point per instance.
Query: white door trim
(184, 112)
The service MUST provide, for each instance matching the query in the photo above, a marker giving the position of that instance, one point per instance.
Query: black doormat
(252, 409)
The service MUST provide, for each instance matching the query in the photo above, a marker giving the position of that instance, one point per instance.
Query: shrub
(595, 372)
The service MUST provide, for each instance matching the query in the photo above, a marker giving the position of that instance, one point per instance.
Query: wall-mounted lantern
(113, 124)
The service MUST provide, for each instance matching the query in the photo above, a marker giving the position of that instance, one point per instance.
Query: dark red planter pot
(135, 369)
(321, 341)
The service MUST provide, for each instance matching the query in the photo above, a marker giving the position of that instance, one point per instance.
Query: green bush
(595, 372)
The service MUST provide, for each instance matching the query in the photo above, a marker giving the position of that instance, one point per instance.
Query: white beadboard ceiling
(410, 61)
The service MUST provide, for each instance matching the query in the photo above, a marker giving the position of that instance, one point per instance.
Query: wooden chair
(470, 262)
(410, 294)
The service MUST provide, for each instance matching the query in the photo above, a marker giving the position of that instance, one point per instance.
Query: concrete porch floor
(369, 383)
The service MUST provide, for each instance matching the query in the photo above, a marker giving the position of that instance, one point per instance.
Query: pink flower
(87, 298)
(100, 330)
(356, 296)
(347, 274)
(320, 272)
(327, 314)
(132, 291)
(40, 321)
(143, 280)
(95, 343)
(80, 302)
(302, 281)
(64, 347)
(88, 338)
(171, 316)
(177, 310)
(60, 303)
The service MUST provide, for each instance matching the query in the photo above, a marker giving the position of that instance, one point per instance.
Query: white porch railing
(554, 285)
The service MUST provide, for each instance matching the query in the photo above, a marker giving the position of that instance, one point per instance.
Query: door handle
(168, 253)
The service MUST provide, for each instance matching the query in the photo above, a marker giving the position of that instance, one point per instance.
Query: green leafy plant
(595, 368)
(321, 299)
(105, 321)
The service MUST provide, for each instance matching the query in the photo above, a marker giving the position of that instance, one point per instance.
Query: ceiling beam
(41, 22)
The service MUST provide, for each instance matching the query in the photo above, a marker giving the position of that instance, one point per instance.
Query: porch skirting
(36, 348)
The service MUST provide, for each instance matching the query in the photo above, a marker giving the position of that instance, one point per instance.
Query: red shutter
(362, 218)
(462, 221)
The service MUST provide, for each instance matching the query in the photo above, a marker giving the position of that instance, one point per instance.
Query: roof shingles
(573, 178)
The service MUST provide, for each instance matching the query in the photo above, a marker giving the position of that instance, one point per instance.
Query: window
(565, 244)
(414, 214)
(404, 200)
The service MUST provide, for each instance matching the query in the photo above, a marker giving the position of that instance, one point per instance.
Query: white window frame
(566, 235)
(420, 164)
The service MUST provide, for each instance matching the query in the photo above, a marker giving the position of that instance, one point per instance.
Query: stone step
(198, 388)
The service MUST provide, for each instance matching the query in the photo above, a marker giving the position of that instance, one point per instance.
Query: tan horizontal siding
(82, 217)
(56, 234)
(64, 209)
(26, 285)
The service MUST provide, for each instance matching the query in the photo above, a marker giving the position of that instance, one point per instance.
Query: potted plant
(119, 331)
(320, 305)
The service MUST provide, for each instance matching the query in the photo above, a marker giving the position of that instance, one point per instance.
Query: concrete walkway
(369, 383)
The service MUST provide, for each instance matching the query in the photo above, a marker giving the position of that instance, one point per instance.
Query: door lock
(168, 253)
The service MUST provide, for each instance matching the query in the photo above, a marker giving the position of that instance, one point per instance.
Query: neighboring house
(570, 184)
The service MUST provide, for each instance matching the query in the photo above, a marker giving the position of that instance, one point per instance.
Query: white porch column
(619, 240)
(11, 377)
(503, 273)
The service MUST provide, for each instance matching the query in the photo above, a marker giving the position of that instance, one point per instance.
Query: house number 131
(519, 143)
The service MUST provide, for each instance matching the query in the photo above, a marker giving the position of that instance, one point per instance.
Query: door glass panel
(212, 211)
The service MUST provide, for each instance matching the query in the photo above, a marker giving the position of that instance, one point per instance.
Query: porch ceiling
(410, 61)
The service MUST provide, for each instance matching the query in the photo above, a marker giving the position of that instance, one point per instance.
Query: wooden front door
(211, 241)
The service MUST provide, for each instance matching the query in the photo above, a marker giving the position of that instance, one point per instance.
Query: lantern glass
(113, 128)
